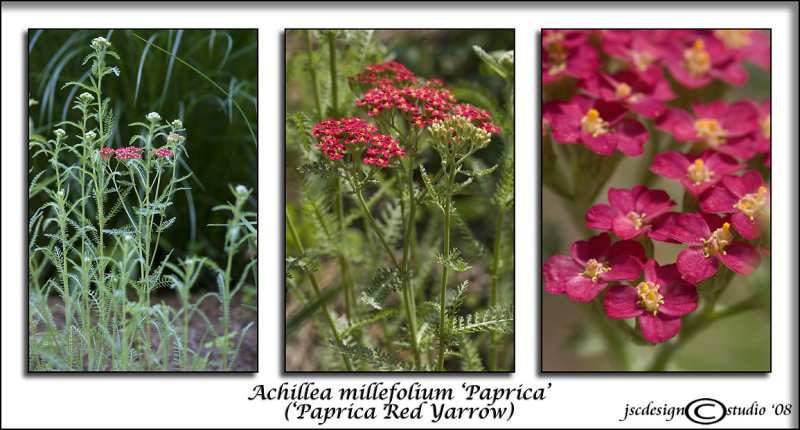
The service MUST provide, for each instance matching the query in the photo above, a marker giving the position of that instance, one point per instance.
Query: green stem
(374, 225)
(616, 342)
(408, 289)
(446, 254)
(498, 235)
(313, 72)
(334, 83)
(315, 285)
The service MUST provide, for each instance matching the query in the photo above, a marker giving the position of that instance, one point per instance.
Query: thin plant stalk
(446, 254)
(498, 236)
(315, 285)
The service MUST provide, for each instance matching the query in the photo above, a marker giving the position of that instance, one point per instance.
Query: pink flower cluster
(604, 117)
(421, 105)
(163, 152)
(125, 153)
(721, 172)
(338, 137)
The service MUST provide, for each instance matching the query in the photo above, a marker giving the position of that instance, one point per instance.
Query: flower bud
(59, 133)
(99, 43)
(153, 117)
(86, 97)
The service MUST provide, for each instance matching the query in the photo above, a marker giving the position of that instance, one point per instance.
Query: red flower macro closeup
(723, 128)
(696, 61)
(658, 302)
(630, 213)
(713, 242)
(593, 264)
(746, 197)
(566, 53)
(600, 125)
(696, 172)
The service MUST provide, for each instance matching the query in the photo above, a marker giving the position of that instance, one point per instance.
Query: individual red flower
(593, 264)
(746, 197)
(353, 135)
(713, 242)
(750, 45)
(658, 302)
(697, 62)
(627, 88)
(567, 53)
(599, 125)
(724, 128)
(696, 172)
(638, 50)
(480, 118)
(630, 212)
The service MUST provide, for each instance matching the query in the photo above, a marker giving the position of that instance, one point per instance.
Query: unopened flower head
(60, 133)
(86, 97)
(176, 124)
(175, 138)
(153, 117)
(100, 43)
(241, 189)
(90, 135)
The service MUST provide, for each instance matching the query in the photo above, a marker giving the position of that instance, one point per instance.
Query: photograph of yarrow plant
(656, 200)
(399, 200)
(142, 236)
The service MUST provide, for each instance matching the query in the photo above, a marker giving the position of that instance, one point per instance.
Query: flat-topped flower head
(86, 97)
(631, 213)
(127, 153)
(593, 264)
(696, 172)
(598, 124)
(153, 117)
(107, 152)
(713, 242)
(459, 132)
(100, 43)
(746, 197)
(163, 152)
(480, 118)
(386, 74)
(174, 138)
(658, 302)
(354, 135)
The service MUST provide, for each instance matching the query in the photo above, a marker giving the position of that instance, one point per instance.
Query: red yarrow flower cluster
(125, 153)
(352, 135)
(163, 152)
(389, 73)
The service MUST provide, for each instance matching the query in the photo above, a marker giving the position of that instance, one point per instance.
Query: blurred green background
(571, 340)
(221, 149)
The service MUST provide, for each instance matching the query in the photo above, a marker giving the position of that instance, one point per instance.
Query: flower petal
(557, 270)
(673, 165)
(653, 203)
(662, 226)
(649, 107)
(660, 327)
(595, 248)
(603, 144)
(678, 122)
(583, 289)
(690, 228)
(680, 297)
(718, 200)
(749, 229)
(631, 136)
(740, 257)
(620, 302)
(622, 199)
(624, 228)
(694, 266)
(599, 217)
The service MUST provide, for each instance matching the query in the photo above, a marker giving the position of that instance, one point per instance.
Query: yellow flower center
(733, 39)
(594, 268)
(765, 126)
(592, 123)
(717, 242)
(641, 60)
(623, 90)
(557, 56)
(753, 204)
(711, 130)
(698, 172)
(649, 297)
(638, 220)
(696, 60)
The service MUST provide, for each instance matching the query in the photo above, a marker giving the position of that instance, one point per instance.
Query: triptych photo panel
(399, 201)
